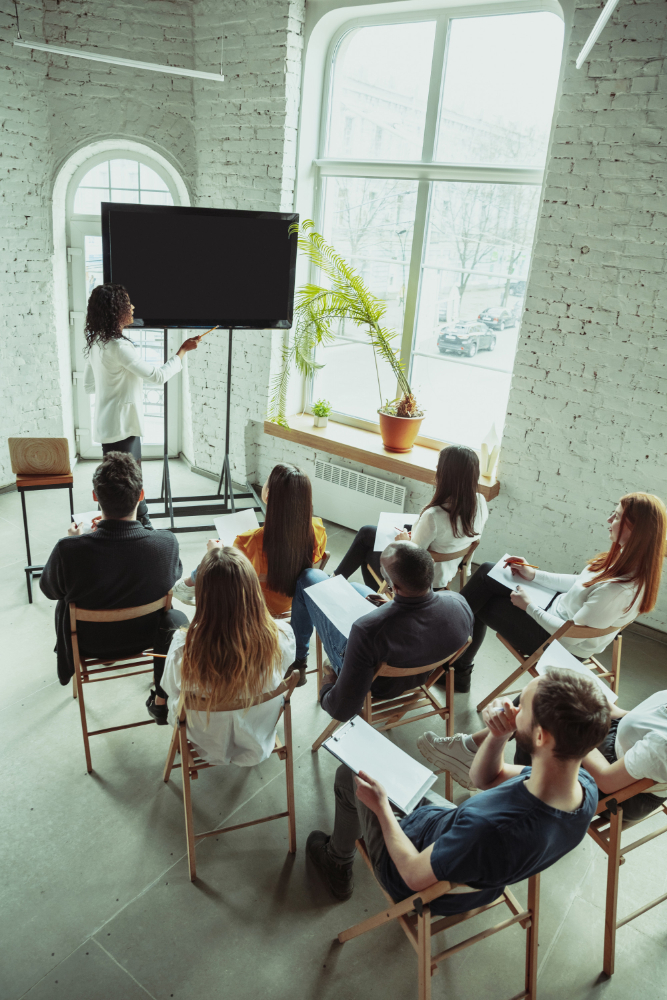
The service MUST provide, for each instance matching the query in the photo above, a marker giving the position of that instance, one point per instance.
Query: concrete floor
(96, 901)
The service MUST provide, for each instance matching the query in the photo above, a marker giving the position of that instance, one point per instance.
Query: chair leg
(289, 779)
(611, 905)
(449, 701)
(187, 801)
(424, 953)
(173, 747)
(331, 728)
(74, 685)
(320, 668)
(503, 686)
(532, 933)
(616, 663)
(84, 724)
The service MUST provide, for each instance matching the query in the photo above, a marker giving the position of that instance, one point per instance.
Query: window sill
(366, 447)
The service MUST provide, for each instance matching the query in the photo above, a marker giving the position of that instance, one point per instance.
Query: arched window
(432, 153)
(117, 175)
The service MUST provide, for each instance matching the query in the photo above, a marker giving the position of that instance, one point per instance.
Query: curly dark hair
(108, 306)
(118, 484)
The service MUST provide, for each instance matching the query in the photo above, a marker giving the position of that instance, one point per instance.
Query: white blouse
(600, 606)
(433, 530)
(641, 741)
(115, 373)
(244, 737)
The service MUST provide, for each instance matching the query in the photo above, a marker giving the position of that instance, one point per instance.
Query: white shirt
(600, 606)
(115, 373)
(433, 530)
(244, 737)
(641, 740)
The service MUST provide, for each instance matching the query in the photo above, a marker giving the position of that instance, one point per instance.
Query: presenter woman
(115, 373)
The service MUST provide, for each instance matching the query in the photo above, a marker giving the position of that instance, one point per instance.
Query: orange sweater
(250, 543)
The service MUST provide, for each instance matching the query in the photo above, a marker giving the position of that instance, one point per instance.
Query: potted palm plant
(316, 309)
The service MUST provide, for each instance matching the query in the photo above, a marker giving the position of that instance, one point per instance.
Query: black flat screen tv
(198, 267)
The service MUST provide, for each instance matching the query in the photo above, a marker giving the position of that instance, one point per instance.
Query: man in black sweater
(118, 565)
(417, 628)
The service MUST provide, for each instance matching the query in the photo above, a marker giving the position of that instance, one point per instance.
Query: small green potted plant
(321, 410)
(316, 309)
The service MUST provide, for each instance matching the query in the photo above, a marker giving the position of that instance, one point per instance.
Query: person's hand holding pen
(403, 534)
(519, 567)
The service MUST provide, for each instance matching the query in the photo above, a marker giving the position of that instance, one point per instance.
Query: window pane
(87, 200)
(151, 179)
(124, 174)
(156, 198)
(370, 223)
(379, 93)
(128, 197)
(500, 86)
(451, 393)
(98, 176)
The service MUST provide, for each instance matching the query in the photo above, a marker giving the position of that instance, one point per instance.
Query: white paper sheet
(340, 602)
(536, 594)
(389, 525)
(558, 656)
(363, 748)
(87, 518)
(228, 526)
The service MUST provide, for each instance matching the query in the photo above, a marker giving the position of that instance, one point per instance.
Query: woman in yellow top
(289, 541)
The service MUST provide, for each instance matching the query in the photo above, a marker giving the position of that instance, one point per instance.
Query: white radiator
(352, 498)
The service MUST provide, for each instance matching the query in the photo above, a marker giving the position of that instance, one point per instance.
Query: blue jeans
(306, 616)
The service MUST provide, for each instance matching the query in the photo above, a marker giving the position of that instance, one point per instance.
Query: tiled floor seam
(559, 930)
(122, 967)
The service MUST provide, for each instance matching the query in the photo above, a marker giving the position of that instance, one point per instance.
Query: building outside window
(431, 165)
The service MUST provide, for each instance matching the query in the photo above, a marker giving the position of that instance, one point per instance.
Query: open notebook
(87, 517)
(541, 596)
(363, 748)
(340, 602)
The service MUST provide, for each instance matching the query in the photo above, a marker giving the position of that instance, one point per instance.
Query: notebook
(363, 748)
(541, 596)
(389, 526)
(340, 602)
(87, 518)
(558, 656)
(228, 526)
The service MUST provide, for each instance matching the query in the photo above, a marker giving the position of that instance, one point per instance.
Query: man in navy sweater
(118, 565)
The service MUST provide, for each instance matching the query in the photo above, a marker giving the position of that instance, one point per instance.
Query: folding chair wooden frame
(85, 667)
(607, 834)
(570, 631)
(419, 926)
(388, 713)
(465, 555)
(191, 764)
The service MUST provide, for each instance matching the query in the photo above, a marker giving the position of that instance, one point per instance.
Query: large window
(431, 168)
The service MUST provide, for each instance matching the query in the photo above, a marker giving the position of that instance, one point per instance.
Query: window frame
(425, 170)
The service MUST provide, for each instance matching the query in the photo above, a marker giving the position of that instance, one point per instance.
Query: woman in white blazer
(115, 374)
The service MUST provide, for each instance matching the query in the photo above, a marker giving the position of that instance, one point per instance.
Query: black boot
(301, 666)
(462, 679)
(157, 712)
(338, 879)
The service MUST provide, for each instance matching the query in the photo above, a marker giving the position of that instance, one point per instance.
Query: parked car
(466, 337)
(517, 288)
(497, 317)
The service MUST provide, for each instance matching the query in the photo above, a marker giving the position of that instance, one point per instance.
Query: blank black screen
(198, 267)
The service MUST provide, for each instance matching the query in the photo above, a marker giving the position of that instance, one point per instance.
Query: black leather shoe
(301, 666)
(338, 879)
(462, 680)
(157, 712)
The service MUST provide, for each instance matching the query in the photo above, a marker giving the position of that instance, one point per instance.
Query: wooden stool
(39, 464)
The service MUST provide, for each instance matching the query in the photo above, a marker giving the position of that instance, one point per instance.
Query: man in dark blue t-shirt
(527, 819)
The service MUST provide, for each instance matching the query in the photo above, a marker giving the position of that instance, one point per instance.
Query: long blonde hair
(640, 559)
(231, 646)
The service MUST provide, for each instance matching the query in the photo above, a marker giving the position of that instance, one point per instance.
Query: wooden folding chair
(86, 667)
(570, 631)
(191, 763)
(388, 713)
(465, 555)
(607, 834)
(420, 926)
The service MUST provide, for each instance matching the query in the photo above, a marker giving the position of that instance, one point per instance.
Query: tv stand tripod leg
(166, 482)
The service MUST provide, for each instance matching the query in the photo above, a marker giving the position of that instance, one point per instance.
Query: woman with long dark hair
(289, 541)
(232, 650)
(453, 519)
(115, 373)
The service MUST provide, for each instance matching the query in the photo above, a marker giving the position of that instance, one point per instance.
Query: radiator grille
(338, 475)
(353, 498)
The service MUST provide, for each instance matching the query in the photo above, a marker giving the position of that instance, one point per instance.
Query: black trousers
(491, 605)
(634, 809)
(124, 638)
(132, 446)
(359, 555)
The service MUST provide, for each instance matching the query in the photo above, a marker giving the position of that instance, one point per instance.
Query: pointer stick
(208, 331)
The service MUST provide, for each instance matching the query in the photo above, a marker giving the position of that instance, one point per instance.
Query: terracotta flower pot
(399, 433)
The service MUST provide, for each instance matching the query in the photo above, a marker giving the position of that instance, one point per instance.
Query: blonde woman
(232, 649)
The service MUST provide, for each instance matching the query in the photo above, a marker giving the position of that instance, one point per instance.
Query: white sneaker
(183, 593)
(450, 754)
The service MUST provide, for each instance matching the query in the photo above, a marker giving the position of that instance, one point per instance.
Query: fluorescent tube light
(606, 13)
(63, 50)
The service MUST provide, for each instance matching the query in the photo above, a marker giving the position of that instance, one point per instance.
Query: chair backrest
(587, 632)
(39, 456)
(384, 670)
(625, 793)
(192, 701)
(450, 556)
(118, 614)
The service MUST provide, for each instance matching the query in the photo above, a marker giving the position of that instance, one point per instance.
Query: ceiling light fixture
(605, 14)
(65, 50)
